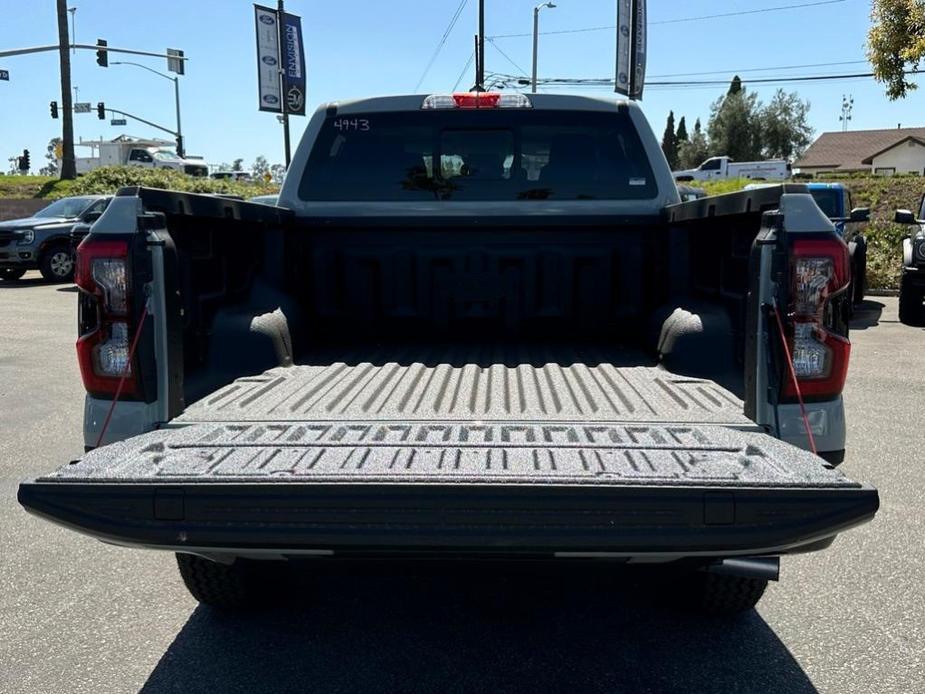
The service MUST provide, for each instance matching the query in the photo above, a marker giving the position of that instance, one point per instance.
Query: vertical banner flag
(293, 56)
(268, 83)
(631, 48)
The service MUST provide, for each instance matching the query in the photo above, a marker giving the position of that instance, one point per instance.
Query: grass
(883, 195)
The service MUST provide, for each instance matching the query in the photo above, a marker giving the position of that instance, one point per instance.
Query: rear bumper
(662, 523)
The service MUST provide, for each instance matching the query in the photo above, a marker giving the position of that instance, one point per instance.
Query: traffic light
(102, 57)
(25, 161)
(180, 152)
(101, 110)
(54, 109)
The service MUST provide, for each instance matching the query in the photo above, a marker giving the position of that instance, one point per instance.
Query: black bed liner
(259, 466)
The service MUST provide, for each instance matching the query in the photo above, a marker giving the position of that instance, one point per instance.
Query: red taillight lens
(102, 273)
(819, 269)
(477, 99)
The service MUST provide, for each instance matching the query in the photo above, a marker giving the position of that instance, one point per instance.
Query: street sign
(82, 107)
(175, 62)
(266, 23)
(118, 121)
(5, 75)
(630, 77)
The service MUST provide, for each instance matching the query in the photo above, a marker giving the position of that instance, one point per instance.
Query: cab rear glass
(496, 155)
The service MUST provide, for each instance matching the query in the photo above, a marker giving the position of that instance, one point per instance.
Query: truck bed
(469, 453)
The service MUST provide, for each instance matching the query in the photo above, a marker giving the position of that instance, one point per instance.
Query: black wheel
(222, 586)
(10, 274)
(718, 595)
(57, 263)
(911, 311)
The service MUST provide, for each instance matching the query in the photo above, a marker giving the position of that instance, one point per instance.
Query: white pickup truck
(721, 168)
(148, 154)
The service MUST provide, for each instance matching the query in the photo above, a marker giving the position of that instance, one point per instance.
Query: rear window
(478, 155)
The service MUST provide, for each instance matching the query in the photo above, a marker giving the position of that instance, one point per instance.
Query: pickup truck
(478, 326)
(42, 241)
(912, 281)
(723, 168)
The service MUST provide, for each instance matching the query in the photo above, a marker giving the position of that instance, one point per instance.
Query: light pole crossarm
(86, 46)
(144, 67)
(142, 120)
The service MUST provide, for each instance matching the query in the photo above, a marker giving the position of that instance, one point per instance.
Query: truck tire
(57, 263)
(911, 311)
(222, 586)
(9, 274)
(718, 595)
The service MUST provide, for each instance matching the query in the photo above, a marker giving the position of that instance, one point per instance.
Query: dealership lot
(77, 615)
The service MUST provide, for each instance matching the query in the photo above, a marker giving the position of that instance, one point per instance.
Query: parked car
(721, 168)
(526, 347)
(231, 176)
(43, 241)
(912, 282)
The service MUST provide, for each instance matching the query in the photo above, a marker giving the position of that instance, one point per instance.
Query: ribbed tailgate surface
(456, 453)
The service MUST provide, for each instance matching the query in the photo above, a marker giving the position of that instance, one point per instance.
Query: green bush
(109, 179)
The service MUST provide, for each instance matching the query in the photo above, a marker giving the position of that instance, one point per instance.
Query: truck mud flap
(494, 487)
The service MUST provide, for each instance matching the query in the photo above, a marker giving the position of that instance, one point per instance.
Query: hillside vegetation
(884, 195)
(109, 179)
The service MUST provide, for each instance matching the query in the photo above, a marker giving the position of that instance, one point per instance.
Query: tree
(735, 126)
(694, 151)
(278, 171)
(735, 87)
(238, 165)
(896, 43)
(260, 166)
(681, 135)
(785, 133)
(68, 162)
(51, 158)
(670, 142)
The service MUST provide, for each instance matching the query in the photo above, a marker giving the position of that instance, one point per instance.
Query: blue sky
(368, 47)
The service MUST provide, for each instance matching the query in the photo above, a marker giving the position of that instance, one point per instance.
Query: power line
(678, 20)
(442, 42)
(464, 71)
(506, 56)
(762, 69)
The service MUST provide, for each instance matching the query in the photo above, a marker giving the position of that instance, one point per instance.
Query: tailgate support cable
(793, 376)
(131, 358)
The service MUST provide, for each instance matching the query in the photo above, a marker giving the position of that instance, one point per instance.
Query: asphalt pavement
(77, 615)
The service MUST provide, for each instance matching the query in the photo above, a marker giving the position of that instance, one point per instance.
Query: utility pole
(847, 107)
(282, 82)
(68, 164)
(536, 38)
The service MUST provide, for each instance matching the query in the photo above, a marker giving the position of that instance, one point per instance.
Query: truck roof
(825, 186)
(414, 102)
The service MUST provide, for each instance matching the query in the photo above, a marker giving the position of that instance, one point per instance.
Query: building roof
(854, 149)
(910, 138)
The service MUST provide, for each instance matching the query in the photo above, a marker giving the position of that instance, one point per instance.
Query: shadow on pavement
(36, 282)
(497, 629)
(867, 315)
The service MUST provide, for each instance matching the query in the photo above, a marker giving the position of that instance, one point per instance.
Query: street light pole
(536, 39)
(282, 82)
(181, 145)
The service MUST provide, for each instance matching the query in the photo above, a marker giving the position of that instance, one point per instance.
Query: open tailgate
(529, 488)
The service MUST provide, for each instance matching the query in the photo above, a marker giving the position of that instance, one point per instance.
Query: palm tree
(68, 165)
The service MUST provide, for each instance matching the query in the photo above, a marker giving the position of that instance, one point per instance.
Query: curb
(882, 292)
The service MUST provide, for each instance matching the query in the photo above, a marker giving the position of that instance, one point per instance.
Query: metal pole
(181, 145)
(68, 163)
(536, 45)
(282, 81)
(73, 11)
(480, 78)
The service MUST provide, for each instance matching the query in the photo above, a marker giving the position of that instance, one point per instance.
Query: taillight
(476, 100)
(820, 269)
(104, 345)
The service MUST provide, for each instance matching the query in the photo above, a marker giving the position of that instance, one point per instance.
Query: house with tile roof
(885, 152)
